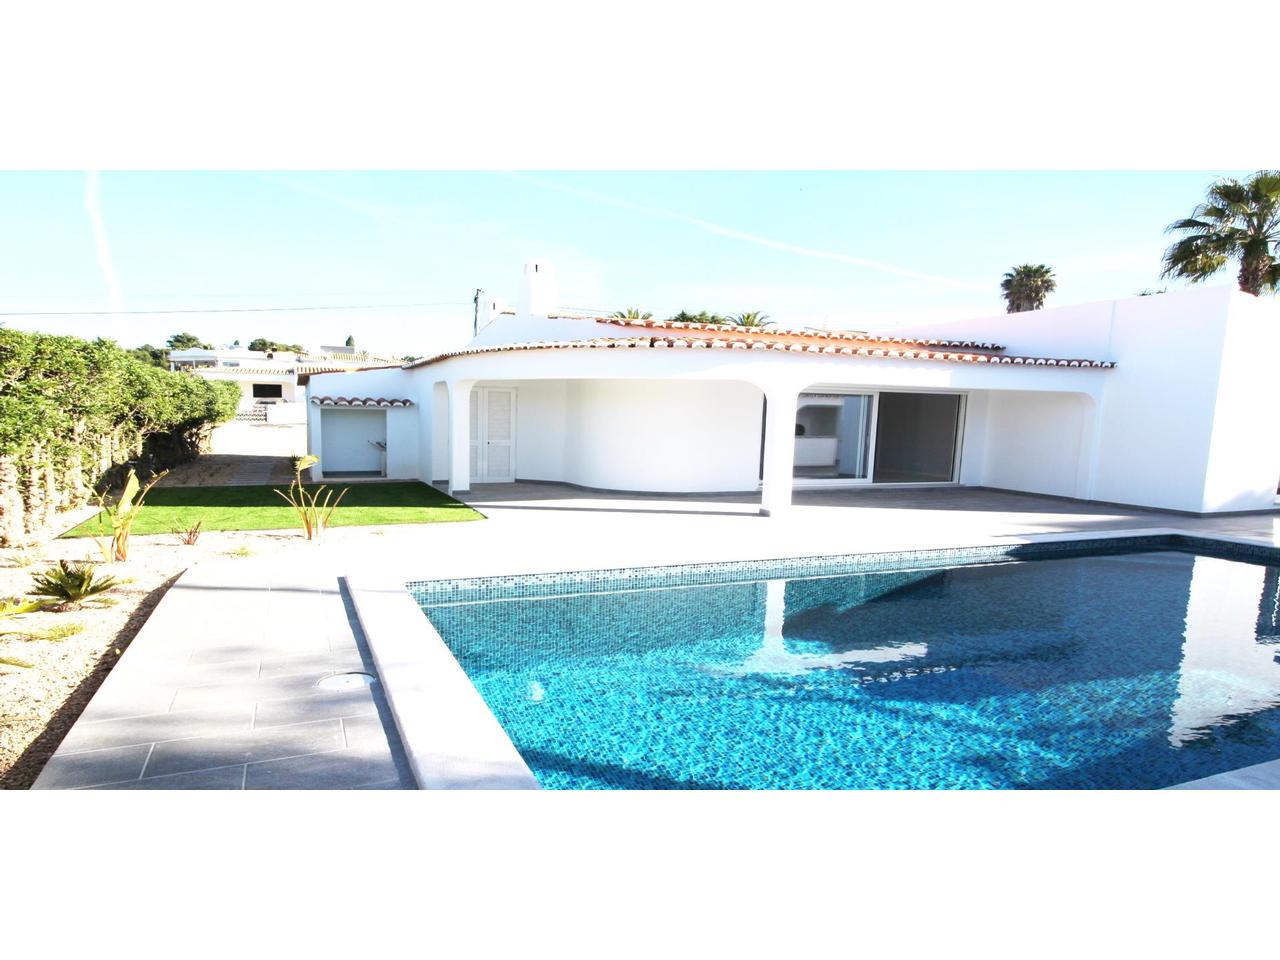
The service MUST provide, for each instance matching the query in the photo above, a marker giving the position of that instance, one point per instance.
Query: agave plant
(314, 512)
(752, 318)
(121, 515)
(631, 313)
(69, 585)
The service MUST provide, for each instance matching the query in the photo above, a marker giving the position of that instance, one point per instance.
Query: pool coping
(453, 741)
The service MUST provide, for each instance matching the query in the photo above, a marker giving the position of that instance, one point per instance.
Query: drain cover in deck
(346, 681)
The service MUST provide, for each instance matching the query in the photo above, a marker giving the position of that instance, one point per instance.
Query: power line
(136, 313)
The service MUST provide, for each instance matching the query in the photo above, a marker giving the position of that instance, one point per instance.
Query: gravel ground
(38, 705)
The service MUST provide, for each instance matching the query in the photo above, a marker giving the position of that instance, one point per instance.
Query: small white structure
(1157, 401)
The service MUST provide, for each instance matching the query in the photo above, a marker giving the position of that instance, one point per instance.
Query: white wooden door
(493, 434)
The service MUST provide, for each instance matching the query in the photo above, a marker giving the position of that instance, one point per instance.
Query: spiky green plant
(58, 632)
(752, 318)
(1025, 287)
(16, 607)
(314, 512)
(121, 515)
(1237, 221)
(191, 535)
(70, 585)
(631, 313)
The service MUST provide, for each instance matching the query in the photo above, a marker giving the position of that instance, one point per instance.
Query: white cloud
(93, 205)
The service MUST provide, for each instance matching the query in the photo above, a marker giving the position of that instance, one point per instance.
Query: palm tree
(684, 316)
(1237, 221)
(631, 313)
(1025, 287)
(752, 318)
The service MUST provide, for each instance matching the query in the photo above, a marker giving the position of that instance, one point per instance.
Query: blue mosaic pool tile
(1072, 664)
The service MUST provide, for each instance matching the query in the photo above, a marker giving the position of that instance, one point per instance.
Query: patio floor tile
(270, 743)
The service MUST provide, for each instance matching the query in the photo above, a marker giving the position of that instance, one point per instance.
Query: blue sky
(402, 252)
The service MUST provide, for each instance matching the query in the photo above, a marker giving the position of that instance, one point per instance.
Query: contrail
(93, 205)
(319, 193)
(723, 231)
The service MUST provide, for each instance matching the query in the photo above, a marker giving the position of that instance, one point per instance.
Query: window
(268, 391)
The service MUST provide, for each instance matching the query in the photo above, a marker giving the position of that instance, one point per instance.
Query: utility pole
(475, 316)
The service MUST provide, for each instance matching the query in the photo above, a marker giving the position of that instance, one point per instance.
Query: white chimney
(538, 294)
(488, 308)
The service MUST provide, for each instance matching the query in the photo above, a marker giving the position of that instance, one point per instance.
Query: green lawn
(259, 508)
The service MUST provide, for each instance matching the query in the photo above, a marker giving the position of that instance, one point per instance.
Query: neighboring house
(271, 383)
(1150, 401)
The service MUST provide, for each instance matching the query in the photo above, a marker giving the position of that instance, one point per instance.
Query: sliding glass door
(833, 436)
(877, 437)
(916, 435)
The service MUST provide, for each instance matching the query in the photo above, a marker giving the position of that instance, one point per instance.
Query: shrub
(72, 411)
(121, 515)
(190, 535)
(314, 512)
(69, 585)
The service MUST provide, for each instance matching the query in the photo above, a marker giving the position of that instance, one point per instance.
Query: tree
(155, 356)
(684, 316)
(187, 341)
(631, 313)
(1237, 221)
(351, 342)
(752, 318)
(263, 345)
(1025, 287)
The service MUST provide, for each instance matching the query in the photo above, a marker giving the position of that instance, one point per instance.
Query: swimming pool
(1077, 667)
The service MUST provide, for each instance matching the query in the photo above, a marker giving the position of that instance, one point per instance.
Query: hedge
(74, 412)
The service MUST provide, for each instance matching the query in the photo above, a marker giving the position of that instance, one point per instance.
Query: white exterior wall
(1178, 420)
(627, 434)
(663, 436)
(1034, 442)
(1244, 450)
(541, 428)
(287, 413)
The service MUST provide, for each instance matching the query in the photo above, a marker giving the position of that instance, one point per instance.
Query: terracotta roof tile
(849, 336)
(361, 402)
(735, 342)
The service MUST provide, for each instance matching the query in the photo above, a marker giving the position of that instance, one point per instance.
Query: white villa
(271, 382)
(1160, 401)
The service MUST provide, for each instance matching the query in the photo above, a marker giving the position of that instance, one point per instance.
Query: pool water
(1130, 670)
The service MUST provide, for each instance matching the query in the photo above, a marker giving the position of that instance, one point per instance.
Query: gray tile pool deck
(218, 690)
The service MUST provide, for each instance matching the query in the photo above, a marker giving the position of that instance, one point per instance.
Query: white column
(460, 436)
(779, 451)
(438, 453)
